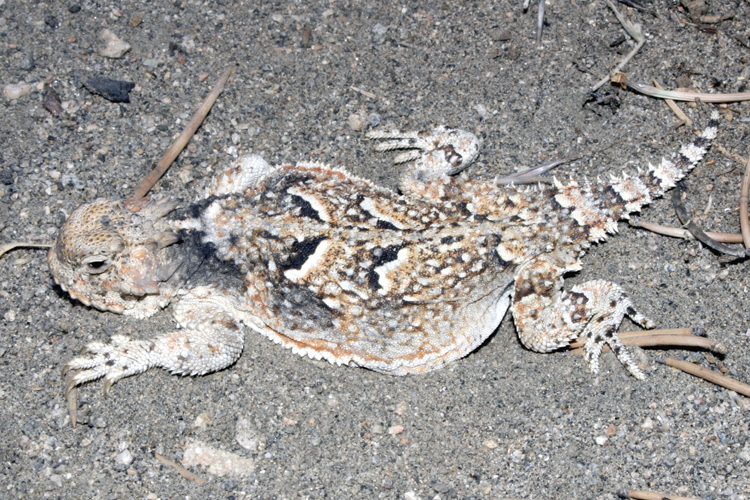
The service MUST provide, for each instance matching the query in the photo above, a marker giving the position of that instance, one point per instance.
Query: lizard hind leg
(434, 154)
(548, 318)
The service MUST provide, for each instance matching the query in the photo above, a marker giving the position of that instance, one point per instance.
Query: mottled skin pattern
(337, 268)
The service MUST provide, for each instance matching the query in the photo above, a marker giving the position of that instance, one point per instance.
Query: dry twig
(364, 92)
(729, 154)
(683, 233)
(652, 495)
(634, 30)
(744, 222)
(532, 175)
(179, 144)
(539, 21)
(675, 109)
(677, 337)
(180, 469)
(696, 231)
(622, 79)
(709, 375)
(18, 244)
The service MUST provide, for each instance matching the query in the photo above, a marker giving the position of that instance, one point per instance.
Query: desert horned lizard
(336, 268)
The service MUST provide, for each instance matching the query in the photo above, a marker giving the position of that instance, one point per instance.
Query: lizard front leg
(548, 317)
(210, 339)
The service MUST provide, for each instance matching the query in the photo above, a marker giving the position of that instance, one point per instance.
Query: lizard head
(113, 255)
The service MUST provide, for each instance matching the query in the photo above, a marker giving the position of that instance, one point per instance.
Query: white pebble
(125, 458)
(357, 121)
(395, 429)
(114, 47)
(16, 90)
(247, 436)
(490, 444)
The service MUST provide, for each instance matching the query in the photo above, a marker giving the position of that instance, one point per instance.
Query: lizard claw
(120, 358)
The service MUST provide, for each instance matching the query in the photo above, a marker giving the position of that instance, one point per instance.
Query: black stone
(112, 90)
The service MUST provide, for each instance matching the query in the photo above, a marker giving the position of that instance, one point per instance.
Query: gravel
(503, 422)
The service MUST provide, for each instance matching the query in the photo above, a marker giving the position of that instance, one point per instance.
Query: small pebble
(500, 35)
(124, 458)
(15, 90)
(135, 20)
(112, 90)
(490, 444)
(216, 461)
(52, 103)
(357, 121)
(395, 430)
(374, 119)
(74, 9)
(601, 440)
(306, 37)
(27, 63)
(378, 33)
(52, 22)
(401, 408)
(114, 47)
(202, 421)
(6, 176)
(186, 175)
(71, 181)
(152, 63)
(246, 435)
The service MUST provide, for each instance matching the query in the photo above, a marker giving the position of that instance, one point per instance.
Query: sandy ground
(503, 422)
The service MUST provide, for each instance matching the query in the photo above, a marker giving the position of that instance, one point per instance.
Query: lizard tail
(598, 206)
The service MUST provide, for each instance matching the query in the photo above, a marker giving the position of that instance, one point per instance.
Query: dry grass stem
(696, 231)
(652, 495)
(18, 244)
(179, 144)
(729, 154)
(579, 342)
(744, 222)
(675, 109)
(634, 30)
(180, 469)
(709, 375)
(677, 341)
(71, 397)
(539, 22)
(622, 79)
(683, 233)
(678, 337)
(364, 92)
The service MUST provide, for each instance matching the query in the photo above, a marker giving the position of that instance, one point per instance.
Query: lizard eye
(96, 264)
